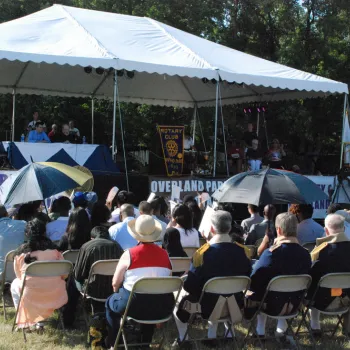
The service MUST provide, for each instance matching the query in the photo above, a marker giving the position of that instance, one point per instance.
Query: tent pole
(258, 123)
(216, 123)
(225, 145)
(13, 114)
(194, 123)
(122, 133)
(114, 113)
(342, 137)
(92, 119)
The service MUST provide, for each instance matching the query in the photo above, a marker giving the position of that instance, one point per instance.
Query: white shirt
(188, 143)
(190, 238)
(164, 227)
(115, 216)
(119, 233)
(309, 230)
(56, 229)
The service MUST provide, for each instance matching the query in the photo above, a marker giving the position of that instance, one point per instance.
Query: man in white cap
(144, 260)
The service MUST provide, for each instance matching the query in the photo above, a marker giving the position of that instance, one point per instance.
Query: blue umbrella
(269, 186)
(38, 181)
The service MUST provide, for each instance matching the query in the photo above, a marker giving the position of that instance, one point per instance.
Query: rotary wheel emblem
(172, 148)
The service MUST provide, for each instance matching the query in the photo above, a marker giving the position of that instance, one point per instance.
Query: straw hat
(145, 229)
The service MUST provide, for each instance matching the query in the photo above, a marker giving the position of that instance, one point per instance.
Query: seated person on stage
(254, 156)
(56, 229)
(258, 231)
(255, 218)
(66, 136)
(275, 154)
(73, 130)
(284, 257)
(42, 295)
(11, 234)
(308, 229)
(330, 255)
(144, 260)
(53, 134)
(188, 142)
(38, 135)
(217, 258)
(31, 125)
(235, 154)
(249, 135)
(119, 232)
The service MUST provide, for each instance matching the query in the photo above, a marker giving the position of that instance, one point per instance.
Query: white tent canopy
(45, 52)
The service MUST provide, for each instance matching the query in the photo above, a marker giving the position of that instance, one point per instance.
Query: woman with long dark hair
(41, 295)
(182, 221)
(78, 231)
(100, 215)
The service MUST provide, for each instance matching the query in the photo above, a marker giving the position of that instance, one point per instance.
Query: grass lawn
(56, 339)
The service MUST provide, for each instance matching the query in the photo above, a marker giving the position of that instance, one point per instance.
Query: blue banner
(172, 139)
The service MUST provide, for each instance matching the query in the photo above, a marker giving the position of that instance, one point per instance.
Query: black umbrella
(269, 186)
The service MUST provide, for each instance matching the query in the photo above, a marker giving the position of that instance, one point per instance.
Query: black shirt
(63, 138)
(254, 153)
(248, 137)
(90, 252)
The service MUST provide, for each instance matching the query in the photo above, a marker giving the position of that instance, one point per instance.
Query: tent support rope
(114, 149)
(223, 131)
(216, 123)
(122, 133)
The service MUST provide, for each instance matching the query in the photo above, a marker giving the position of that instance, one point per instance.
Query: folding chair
(44, 269)
(8, 275)
(221, 286)
(71, 255)
(309, 246)
(150, 285)
(180, 264)
(283, 284)
(103, 268)
(190, 251)
(339, 280)
(252, 251)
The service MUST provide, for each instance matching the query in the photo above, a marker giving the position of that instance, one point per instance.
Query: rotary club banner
(172, 139)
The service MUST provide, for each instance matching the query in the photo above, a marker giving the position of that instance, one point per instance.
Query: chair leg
(189, 323)
(24, 335)
(337, 326)
(124, 340)
(3, 305)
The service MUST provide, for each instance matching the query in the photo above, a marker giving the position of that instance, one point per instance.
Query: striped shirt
(92, 251)
(146, 260)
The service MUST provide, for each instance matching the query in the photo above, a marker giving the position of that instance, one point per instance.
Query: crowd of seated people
(145, 239)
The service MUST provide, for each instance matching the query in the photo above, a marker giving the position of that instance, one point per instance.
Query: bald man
(330, 255)
(119, 232)
(258, 231)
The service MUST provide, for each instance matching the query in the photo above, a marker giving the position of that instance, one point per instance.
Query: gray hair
(334, 223)
(288, 223)
(222, 222)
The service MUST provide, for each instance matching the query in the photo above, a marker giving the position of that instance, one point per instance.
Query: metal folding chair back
(338, 280)
(226, 285)
(8, 275)
(309, 246)
(180, 264)
(54, 268)
(221, 286)
(287, 283)
(190, 251)
(152, 286)
(284, 284)
(71, 255)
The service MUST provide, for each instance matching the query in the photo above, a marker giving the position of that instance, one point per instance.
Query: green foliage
(312, 35)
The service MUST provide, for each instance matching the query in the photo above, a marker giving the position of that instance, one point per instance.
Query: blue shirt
(35, 136)
(119, 233)
(309, 230)
(11, 237)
